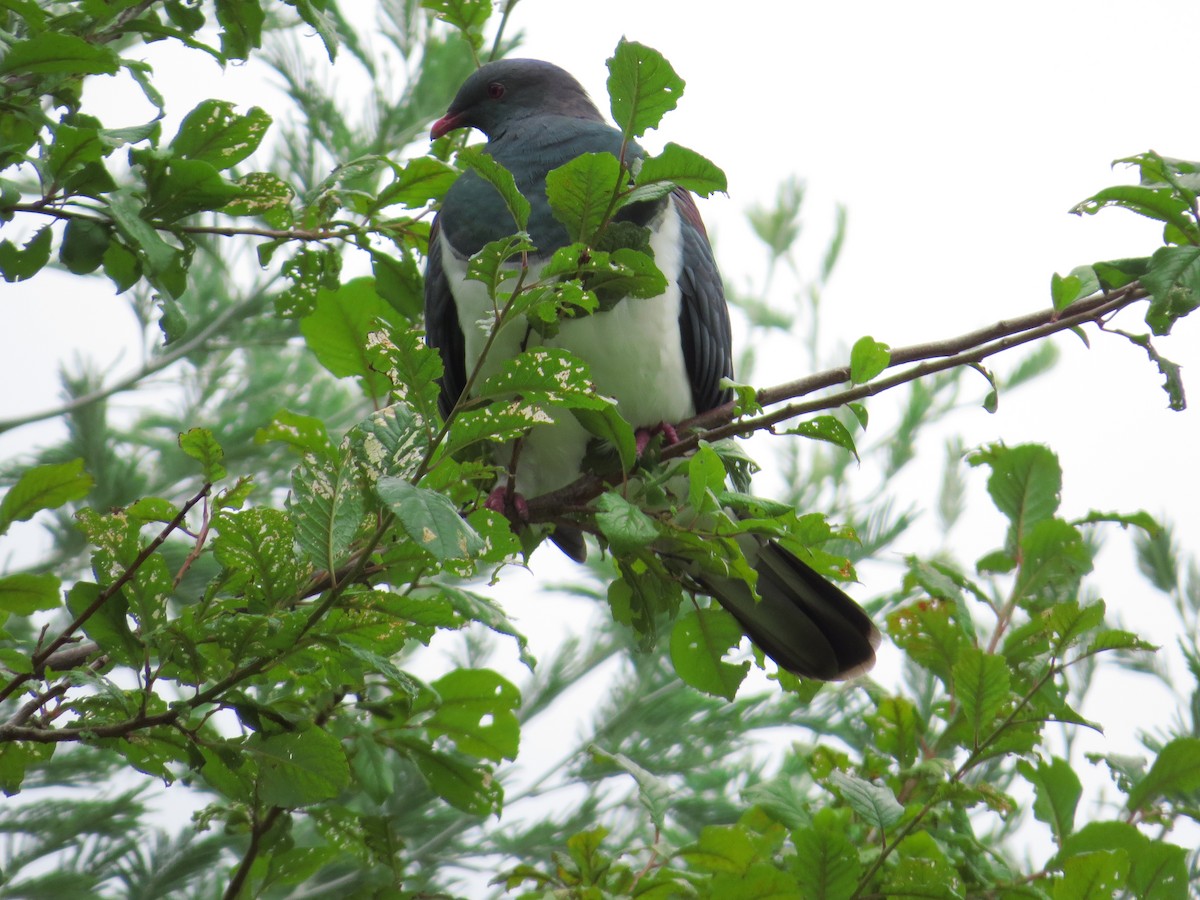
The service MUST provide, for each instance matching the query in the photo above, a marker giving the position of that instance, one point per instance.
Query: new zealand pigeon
(662, 359)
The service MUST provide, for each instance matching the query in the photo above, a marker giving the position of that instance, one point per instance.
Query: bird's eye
(495, 90)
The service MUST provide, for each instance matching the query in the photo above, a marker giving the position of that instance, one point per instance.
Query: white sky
(957, 134)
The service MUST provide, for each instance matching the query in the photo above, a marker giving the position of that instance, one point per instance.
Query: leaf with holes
(430, 519)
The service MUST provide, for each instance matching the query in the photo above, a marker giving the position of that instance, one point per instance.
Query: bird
(662, 358)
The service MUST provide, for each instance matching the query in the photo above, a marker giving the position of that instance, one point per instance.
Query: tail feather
(802, 621)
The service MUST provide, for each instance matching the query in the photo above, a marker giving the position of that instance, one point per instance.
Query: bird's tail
(802, 621)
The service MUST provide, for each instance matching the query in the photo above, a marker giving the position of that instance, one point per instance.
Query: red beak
(444, 125)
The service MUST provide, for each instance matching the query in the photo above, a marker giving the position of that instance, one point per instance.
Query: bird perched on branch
(661, 358)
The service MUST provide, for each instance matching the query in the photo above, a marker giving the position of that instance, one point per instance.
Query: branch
(39, 659)
(919, 359)
(184, 349)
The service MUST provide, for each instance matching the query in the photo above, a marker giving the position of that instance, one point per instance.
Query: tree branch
(919, 359)
(167, 359)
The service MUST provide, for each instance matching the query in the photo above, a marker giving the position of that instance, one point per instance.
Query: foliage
(240, 579)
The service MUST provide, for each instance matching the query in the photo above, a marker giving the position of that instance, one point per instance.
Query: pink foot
(643, 435)
(508, 503)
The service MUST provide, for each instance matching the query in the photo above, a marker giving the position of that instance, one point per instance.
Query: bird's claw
(642, 436)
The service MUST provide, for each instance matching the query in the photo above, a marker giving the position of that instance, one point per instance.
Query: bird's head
(507, 90)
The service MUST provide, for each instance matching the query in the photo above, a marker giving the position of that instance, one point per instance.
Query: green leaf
(1173, 281)
(721, 848)
(485, 611)
(479, 162)
(241, 24)
(477, 712)
(430, 519)
(826, 428)
(684, 168)
(56, 53)
(868, 358)
(699, 642)
(83, 246)
(874, 803)
(256, 548)
(1025, 483)
(1054, 559)
(582, 191)
(418, 181)
(159, 257)
(390, 441)
(896, 729)
(468, 16)
(299, 768)
(336, 331)
(1081, 282)
(1096, 875)
(827, 863)
(186, 187)
(626, 527)
(1157, 870)
(642, 87)
(655, 794)
(22, 263)
(1161, 203)
(264, 195)
(306, 434)
(44, 487)
(706, 478)
(199, 444)
(25, 593)
(546, 376)
(1140, 519)
(328, 506)
(1176, 770)
(981, 687)
(1057, 790)
(472, 788)
(214, 133)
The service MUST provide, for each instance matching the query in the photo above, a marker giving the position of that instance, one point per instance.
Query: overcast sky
(958, 135)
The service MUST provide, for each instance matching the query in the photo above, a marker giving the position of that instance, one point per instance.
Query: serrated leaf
(336, 331)
(305, 434)
(582, 191)
(721, 848)
(327, 509)
(827, 863)
(1057, 790)
(1173, 281)
(430, 519)
(1096, 875)
(626, 527)
(868, 358)
(699, 642)
(256, 548)
(1157, 869)
(299, 768)
(654, 793)
(874, 803)
(44, 487)
(22, 263)
(476, 712)
(214, 133)
(200, 445)
(1025, 483)
(1176, 770)
(471, 788)
(84, 245)
(57, 53)
(981, 687)
(479, 162)
(684, 168)
(546, 376)
(418, 181)
(642, 87)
